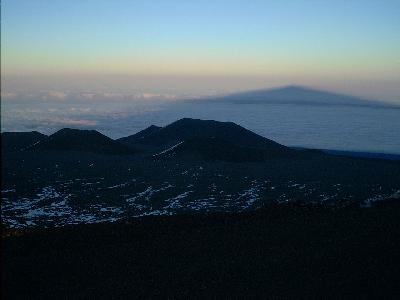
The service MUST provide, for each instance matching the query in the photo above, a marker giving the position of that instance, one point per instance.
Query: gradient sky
(351, 46)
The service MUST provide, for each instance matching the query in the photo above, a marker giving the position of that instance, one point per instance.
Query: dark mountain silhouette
(137, 137)
(18, 141)
(204, 131)
(299, 95)
(218, 149)
(82, 140)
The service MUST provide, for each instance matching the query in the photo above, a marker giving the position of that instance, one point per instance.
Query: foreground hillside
(284, 251)
(188, 167)
(194, 209)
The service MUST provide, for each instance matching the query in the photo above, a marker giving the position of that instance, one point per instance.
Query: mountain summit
(19, 141)
(186, 128)
(213, 138)
(68, 139)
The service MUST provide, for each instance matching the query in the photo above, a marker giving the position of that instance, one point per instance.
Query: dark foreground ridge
(81, 140)
(189, 166)
(205, 139)
(187, 128)
(19, 141)
(66, 139)
(284, 251)
(216, 212)
(202, 132)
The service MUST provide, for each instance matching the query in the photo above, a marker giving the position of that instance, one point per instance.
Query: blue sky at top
(289, 39)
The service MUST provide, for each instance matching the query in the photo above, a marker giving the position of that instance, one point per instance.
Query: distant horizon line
(196, 84)
(232, 92)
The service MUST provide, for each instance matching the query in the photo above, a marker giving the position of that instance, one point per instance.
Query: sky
(183, 48)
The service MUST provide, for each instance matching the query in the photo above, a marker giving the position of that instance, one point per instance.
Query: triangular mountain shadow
(299, 95)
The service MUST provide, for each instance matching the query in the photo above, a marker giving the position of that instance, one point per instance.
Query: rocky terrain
(188, 167)
(288, 251)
